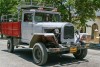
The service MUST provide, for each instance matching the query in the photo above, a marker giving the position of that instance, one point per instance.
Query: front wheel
(10, 45)
(39, 54)
(80, 54)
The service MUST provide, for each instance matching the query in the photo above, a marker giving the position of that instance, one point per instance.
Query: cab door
(27, 27)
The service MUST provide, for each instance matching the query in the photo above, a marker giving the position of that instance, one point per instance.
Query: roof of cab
(42, 11)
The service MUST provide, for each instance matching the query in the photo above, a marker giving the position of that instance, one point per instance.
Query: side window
(28, 17)
(40, 17)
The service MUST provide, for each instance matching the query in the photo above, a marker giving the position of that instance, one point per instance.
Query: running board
(23, 46)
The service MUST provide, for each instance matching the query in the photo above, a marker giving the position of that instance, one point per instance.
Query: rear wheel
(80, 54)
(10, 45)
(39, 54)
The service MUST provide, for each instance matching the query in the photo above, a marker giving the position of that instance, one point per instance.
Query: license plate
(73, 49)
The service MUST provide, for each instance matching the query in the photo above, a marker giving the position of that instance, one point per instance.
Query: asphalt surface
(23, 58)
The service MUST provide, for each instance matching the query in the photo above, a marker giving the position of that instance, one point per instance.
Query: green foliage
(76, 11)
(85, 10)
(8, 6)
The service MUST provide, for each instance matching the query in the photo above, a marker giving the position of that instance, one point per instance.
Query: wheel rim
(37, 54)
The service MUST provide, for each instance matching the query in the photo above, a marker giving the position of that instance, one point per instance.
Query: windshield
(46, 17)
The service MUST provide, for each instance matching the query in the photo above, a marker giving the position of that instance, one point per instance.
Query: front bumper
(71, 49)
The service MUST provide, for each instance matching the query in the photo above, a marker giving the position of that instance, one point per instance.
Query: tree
(76, 11)
(8, 6)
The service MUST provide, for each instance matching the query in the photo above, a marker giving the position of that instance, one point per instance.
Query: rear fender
(44, 38)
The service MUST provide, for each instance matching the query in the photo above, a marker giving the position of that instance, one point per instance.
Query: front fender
(43, 37)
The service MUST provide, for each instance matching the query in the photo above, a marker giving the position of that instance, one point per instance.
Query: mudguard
(43, 37)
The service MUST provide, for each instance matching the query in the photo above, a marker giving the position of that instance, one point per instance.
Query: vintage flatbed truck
(43, 31)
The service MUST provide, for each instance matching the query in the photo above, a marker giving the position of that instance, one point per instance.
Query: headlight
(56, 30)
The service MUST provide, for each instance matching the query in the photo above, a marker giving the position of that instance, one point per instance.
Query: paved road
(23, 58)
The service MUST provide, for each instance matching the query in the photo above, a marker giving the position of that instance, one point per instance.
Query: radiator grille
(68, 32)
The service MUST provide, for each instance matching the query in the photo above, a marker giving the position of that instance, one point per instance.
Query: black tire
(40, 54)
(10, 45)
(80, 54)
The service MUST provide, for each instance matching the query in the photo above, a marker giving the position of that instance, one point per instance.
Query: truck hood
(53, 24)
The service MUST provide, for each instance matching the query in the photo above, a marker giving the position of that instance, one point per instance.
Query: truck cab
(33, 20)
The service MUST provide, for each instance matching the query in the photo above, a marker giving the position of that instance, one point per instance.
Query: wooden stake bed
(11, 29)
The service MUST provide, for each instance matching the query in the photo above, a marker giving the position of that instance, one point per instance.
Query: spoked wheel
(10, 45)
(39, 54)
(80, 54)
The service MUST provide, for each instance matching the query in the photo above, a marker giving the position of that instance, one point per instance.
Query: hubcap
(37, 55)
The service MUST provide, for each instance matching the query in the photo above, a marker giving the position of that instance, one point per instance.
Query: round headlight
(56, 30)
